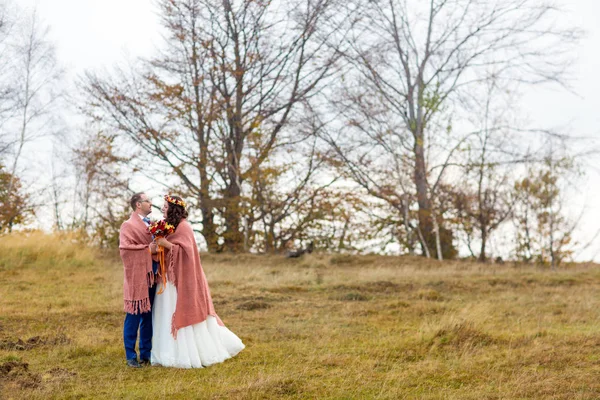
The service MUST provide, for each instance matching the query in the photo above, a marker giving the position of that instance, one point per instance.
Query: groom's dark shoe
(133, 363)
(144, 362)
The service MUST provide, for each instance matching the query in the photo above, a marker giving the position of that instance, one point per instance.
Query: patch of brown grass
(322, 326)
(460, 335)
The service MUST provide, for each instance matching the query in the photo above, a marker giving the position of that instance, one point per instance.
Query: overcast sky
(96, 34)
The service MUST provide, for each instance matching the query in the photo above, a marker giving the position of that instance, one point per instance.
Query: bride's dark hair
(175, 212)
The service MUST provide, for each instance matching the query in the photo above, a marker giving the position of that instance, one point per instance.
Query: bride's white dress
(197, 346)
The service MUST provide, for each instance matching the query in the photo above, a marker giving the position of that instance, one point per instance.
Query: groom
(136, 248)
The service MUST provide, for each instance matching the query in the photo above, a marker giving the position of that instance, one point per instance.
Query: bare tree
(225, 96)
(36, 91)
(284, 201)
(29, 75)
(8, 19)
(102, 186)
(483, 199)
(415, 67)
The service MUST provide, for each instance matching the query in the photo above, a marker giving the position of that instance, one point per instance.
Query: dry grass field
(319, 327)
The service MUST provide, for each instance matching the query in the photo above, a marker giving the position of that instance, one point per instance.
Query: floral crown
(173, 200)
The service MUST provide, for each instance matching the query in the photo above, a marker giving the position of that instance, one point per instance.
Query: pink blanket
(194, 303)
(134, 241)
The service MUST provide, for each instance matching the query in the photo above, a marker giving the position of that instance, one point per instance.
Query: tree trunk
(425, 221)
(482, 257)
(409, 235)
(234, 238)
(209, 228)
(438, 242)
(423, 243)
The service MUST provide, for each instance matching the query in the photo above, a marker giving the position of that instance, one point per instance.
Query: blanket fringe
(137, 306)
(151, 279)
(173, 253)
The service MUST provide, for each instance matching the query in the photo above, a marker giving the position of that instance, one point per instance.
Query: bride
(187, 331)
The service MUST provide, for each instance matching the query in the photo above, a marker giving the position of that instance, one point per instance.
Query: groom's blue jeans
(143, 323)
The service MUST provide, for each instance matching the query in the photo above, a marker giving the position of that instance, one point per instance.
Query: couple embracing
(171, 307)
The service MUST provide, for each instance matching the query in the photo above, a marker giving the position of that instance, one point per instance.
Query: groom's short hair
(136, 198)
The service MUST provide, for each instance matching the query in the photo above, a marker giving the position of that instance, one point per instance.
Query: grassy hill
(323, 326)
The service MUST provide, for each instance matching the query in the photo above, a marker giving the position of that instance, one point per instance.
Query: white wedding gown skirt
(197, 346)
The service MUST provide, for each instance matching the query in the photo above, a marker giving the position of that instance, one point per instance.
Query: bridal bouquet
(161, 228)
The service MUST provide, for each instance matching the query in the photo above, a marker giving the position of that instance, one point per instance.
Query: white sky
(96, 34)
